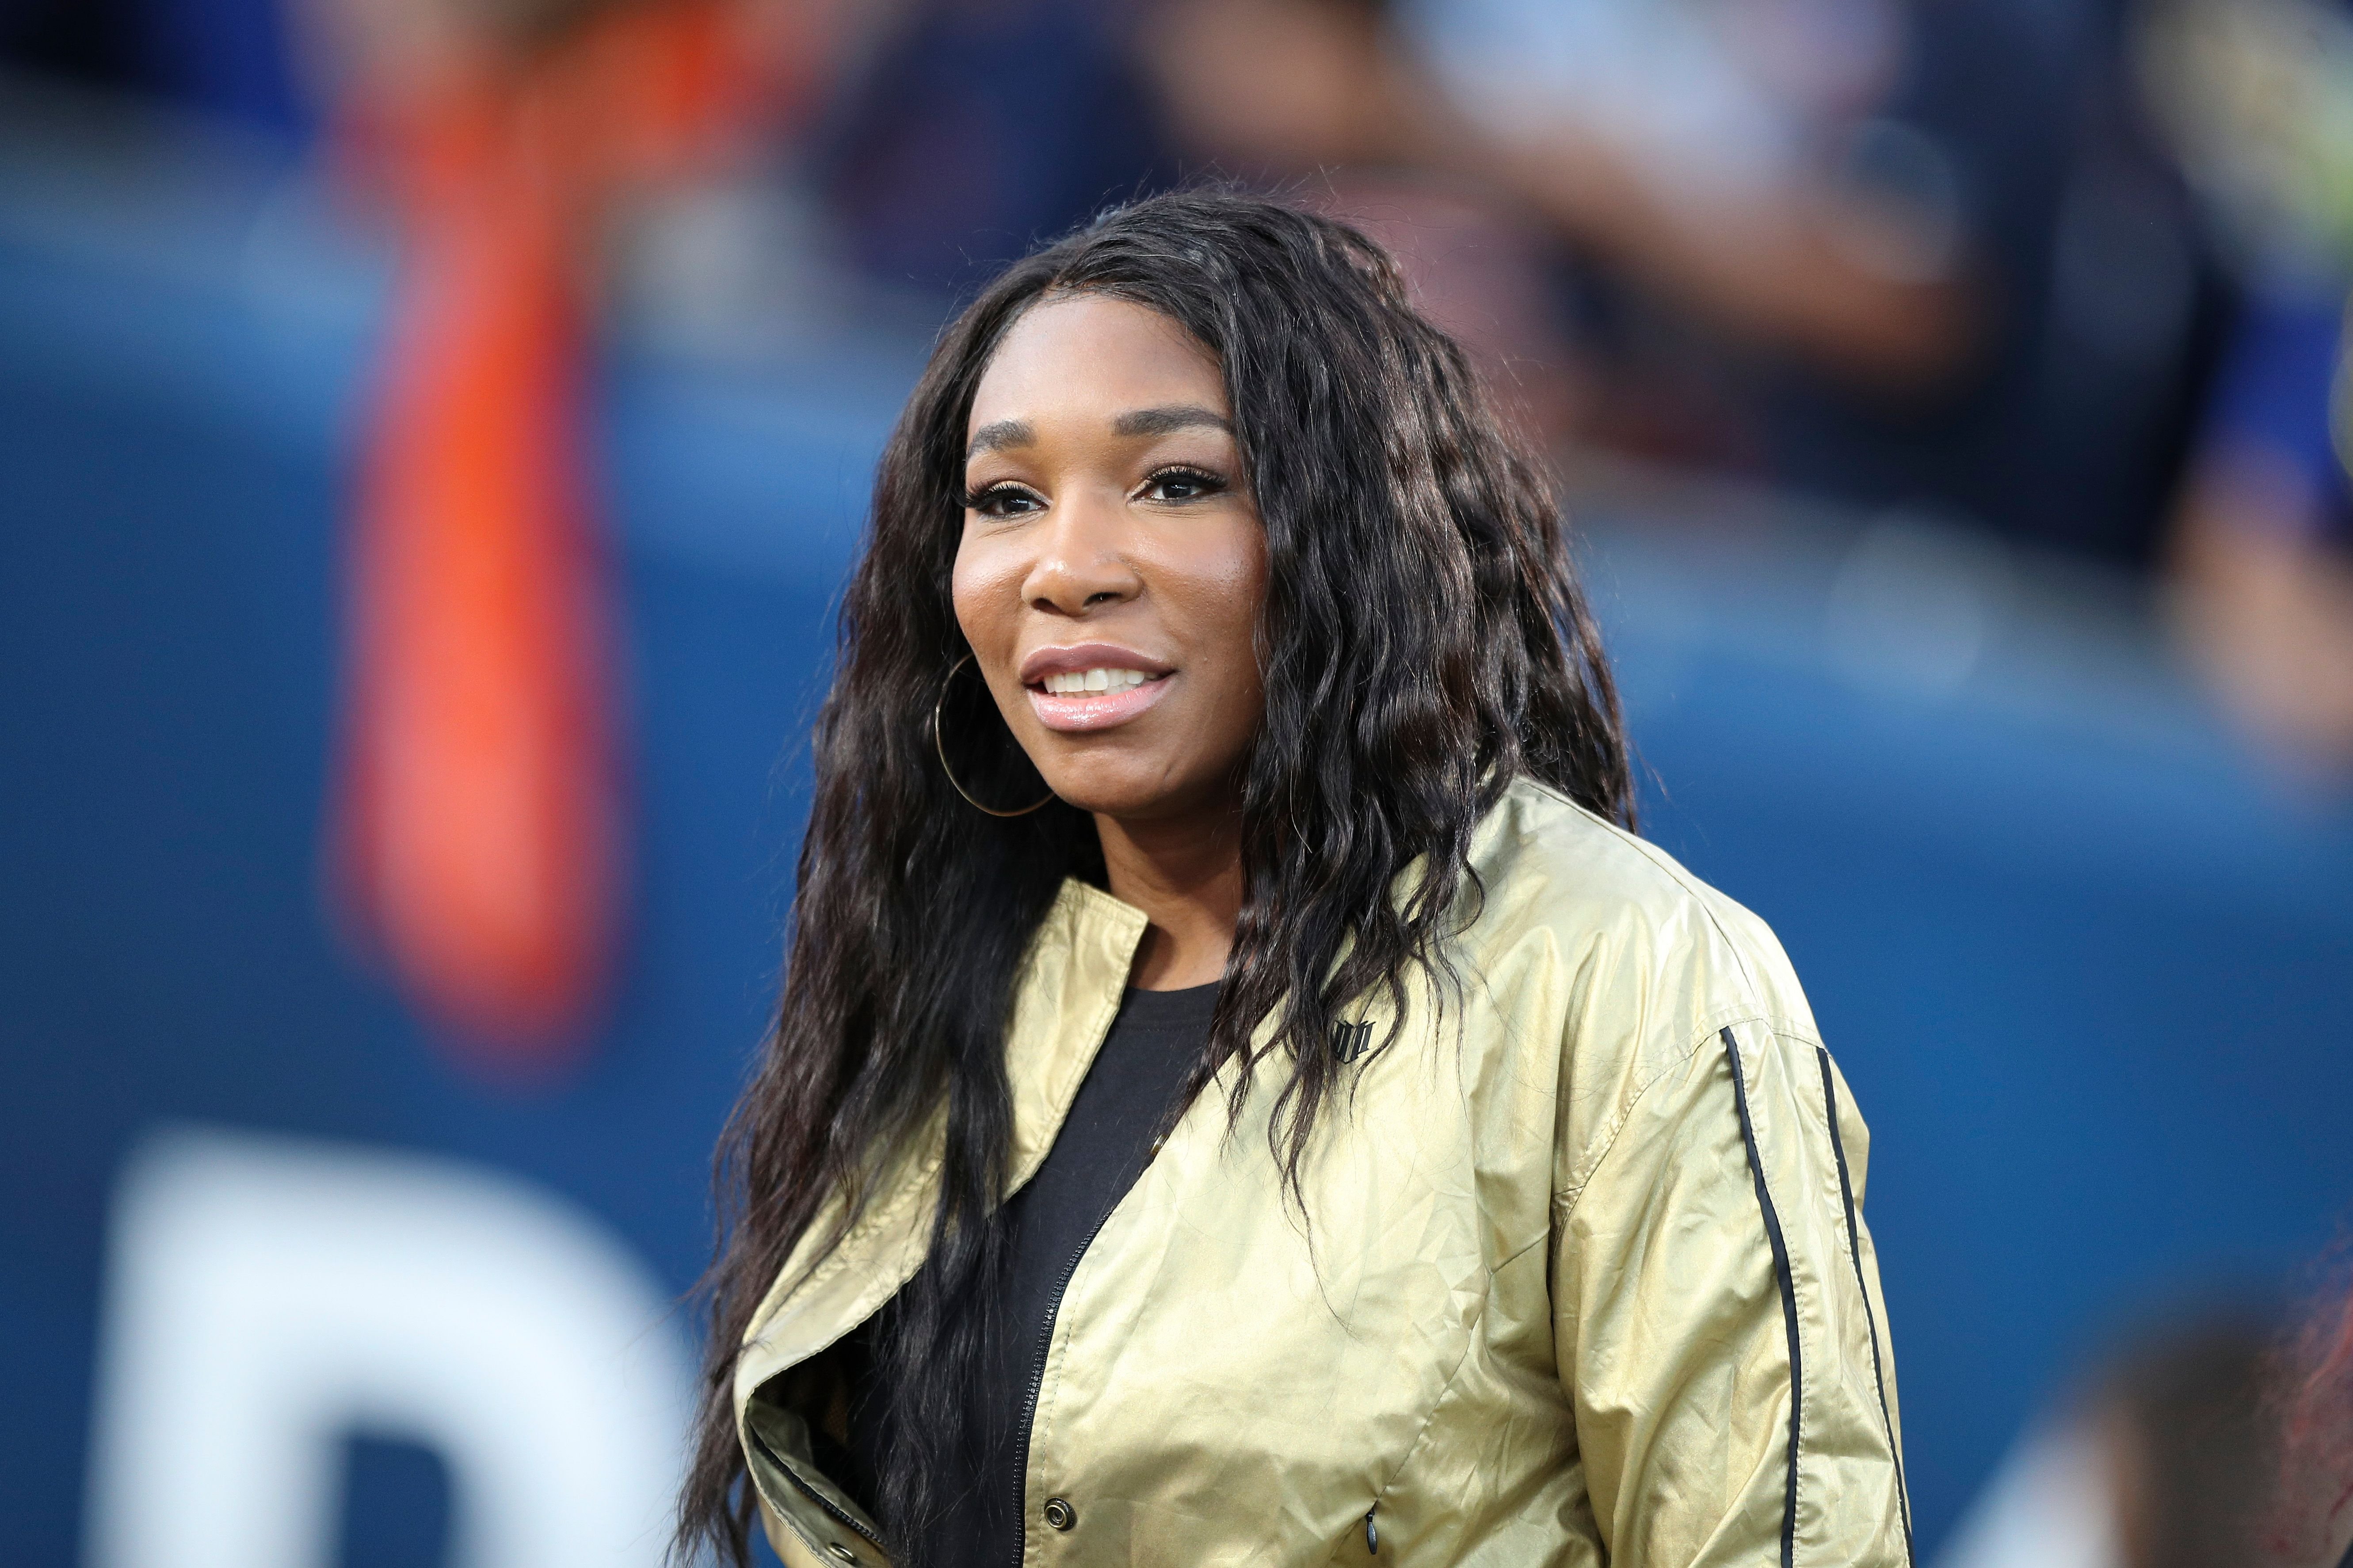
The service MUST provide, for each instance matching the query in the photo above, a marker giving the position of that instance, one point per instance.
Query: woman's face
(1111, 567)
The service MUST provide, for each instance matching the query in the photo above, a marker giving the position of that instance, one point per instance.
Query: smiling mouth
(1102, 681)
(1084, 701)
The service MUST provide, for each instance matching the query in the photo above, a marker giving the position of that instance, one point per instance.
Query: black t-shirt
(1104, 1145)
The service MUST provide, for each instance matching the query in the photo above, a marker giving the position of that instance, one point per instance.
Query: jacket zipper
(1037, 1382)
(819, 1498)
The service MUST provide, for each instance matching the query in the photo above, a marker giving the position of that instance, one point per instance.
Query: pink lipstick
(1092, 685)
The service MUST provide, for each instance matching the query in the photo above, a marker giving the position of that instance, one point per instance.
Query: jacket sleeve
(1718, 1320)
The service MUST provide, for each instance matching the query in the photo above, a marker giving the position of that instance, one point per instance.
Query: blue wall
(2087, 974)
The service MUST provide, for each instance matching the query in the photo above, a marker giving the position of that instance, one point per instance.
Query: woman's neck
(1186, 875)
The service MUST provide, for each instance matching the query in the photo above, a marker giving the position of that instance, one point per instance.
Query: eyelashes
(1010, 500)
(1202, 480)
(997, 500)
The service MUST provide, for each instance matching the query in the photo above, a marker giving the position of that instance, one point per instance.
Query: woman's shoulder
(1615, 915)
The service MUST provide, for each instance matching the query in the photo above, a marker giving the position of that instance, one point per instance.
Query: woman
(1240, 1093)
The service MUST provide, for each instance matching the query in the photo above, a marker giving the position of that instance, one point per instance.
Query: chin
(1131, 789)
(1101, 800)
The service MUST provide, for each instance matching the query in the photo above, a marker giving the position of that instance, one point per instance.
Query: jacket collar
(1064, 999)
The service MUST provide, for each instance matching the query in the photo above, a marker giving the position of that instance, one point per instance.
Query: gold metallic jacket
(1584, 1281)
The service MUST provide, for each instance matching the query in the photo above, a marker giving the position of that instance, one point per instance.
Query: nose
(1082, 563)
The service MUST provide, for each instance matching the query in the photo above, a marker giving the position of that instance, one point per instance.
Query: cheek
(1251, 584)
(984, 589)
(1229, 594)
(1244, 595)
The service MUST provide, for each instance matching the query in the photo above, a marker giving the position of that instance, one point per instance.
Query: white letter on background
(268, 1296)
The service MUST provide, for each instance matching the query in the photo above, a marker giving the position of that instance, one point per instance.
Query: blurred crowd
(2219, 1437)
(2071, 271)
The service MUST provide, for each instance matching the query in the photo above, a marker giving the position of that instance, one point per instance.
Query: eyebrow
(1175, 416)
(1006, 433)
(997, 437)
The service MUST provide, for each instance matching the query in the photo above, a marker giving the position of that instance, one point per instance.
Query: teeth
(1077, 681)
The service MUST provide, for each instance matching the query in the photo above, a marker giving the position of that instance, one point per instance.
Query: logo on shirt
(1350, 1041)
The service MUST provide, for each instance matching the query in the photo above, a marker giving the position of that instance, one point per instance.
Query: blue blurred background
(1944, 394)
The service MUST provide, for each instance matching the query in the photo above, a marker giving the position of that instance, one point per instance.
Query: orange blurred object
(480, 838)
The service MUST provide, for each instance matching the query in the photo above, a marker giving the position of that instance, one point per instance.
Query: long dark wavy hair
(1423, 643)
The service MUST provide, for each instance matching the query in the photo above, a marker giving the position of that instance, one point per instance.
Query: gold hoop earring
(939, 744)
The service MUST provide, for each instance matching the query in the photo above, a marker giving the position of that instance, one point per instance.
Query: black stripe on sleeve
(1789, 1293)
(1854, 1250)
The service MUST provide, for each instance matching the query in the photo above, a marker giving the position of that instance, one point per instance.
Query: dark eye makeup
(1174, 484)
(1002, 500)
(1194, 484)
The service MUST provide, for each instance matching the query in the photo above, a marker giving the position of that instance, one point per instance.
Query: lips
(1080, 658)
(1092, 685)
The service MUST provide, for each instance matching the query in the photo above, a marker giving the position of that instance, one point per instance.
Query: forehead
(1089, 356)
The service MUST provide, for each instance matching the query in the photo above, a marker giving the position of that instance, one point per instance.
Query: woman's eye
(1182, 485)
(1002, 500)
